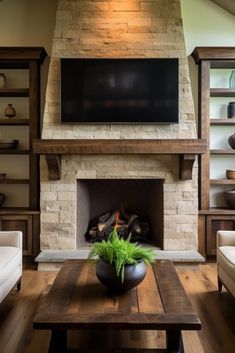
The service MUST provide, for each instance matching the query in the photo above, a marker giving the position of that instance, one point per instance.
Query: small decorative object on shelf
(230, 174)
(2, 176)
(231, 110)
(2, 199)
(229, 196)
(10, 111)
(121, 264)
(232, 79)
(3, 80)
(231, 141)
(8, 144)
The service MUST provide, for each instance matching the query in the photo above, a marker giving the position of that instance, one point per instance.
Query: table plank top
(77, 300)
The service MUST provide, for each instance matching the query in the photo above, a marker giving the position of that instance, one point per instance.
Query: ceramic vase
(232, 80)
(3, 80)
(231, 141)
(10, 111)
(133, 275)
(2, 199)
(231, 110)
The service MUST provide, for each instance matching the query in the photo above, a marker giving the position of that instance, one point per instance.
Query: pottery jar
(10, 111)
(231, 141)
(3, 80)
(2, 199)
(231, 110)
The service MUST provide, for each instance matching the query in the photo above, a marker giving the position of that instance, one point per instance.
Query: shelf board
(222, 92)
(14, 151)
(17, 210)
(14, 92)
(222, 121)
(13, 122)
(217, 211)
(228, 151)
(222, 181)
(14, 181)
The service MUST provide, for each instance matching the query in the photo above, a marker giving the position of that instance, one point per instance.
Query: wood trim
(202, 234)
(204, 126)
(34, 132)
(14, 121)
(213, 53)
(227, 121)
(23, 53)
(222, 92)
(222, 181)
(217, 211)
(228, 151)
(14, 92)
(166, 146)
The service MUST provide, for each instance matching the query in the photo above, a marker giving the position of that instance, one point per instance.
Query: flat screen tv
(119, 91)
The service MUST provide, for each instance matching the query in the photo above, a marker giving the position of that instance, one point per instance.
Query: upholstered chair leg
(219, 285)
(18, 286)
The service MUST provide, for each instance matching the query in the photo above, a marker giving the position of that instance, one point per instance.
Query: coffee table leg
(174, 342)
(58, 343)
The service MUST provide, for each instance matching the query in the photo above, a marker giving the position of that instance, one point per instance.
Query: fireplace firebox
(141, 197)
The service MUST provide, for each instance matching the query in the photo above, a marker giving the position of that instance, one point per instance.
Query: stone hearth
(117, 28)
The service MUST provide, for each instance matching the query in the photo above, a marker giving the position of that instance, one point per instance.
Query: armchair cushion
(10, 262)
(226, 260)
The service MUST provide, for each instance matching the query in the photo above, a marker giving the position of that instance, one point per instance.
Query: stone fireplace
(118, 29)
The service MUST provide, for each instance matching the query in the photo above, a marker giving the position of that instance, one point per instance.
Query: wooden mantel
(187, 149)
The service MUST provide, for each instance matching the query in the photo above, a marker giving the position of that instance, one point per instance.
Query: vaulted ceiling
(228, 5)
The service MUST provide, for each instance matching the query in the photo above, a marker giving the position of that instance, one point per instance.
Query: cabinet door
(215, 223)
(22, 223)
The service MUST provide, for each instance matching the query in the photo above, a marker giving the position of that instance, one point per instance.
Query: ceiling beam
(228, 5)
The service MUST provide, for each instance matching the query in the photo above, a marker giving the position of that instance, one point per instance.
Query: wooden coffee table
(78, 301)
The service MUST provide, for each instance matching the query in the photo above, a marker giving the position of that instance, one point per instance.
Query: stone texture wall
(118, 28)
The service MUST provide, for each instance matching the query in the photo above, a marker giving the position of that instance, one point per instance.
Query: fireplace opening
(135, 205)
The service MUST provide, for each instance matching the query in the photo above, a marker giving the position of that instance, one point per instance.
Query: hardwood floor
(216, 311)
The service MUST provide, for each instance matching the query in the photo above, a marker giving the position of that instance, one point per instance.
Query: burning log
(125, 224)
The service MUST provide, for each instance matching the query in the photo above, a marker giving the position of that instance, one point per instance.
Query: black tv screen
(119, 91)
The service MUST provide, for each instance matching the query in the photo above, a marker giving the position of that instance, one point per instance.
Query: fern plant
(120, 252)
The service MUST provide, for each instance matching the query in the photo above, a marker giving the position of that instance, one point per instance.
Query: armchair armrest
(225, 238)
(13, 238)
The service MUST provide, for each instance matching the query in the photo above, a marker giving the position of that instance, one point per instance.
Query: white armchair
(226, 260)
(10, 262)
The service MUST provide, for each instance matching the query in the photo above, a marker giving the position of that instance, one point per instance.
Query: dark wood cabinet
(213, 224)
(28, 223)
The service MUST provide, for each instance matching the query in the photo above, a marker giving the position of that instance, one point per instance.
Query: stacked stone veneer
(118, 28)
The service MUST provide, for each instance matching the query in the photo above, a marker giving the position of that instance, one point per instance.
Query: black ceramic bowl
(133, 275)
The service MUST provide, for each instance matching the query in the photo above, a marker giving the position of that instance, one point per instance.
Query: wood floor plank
(217, 335)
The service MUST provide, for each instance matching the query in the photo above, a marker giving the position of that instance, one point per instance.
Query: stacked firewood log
(125, 224)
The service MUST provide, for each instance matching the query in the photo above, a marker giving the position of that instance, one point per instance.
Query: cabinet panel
(21, 223)
(215, 223)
